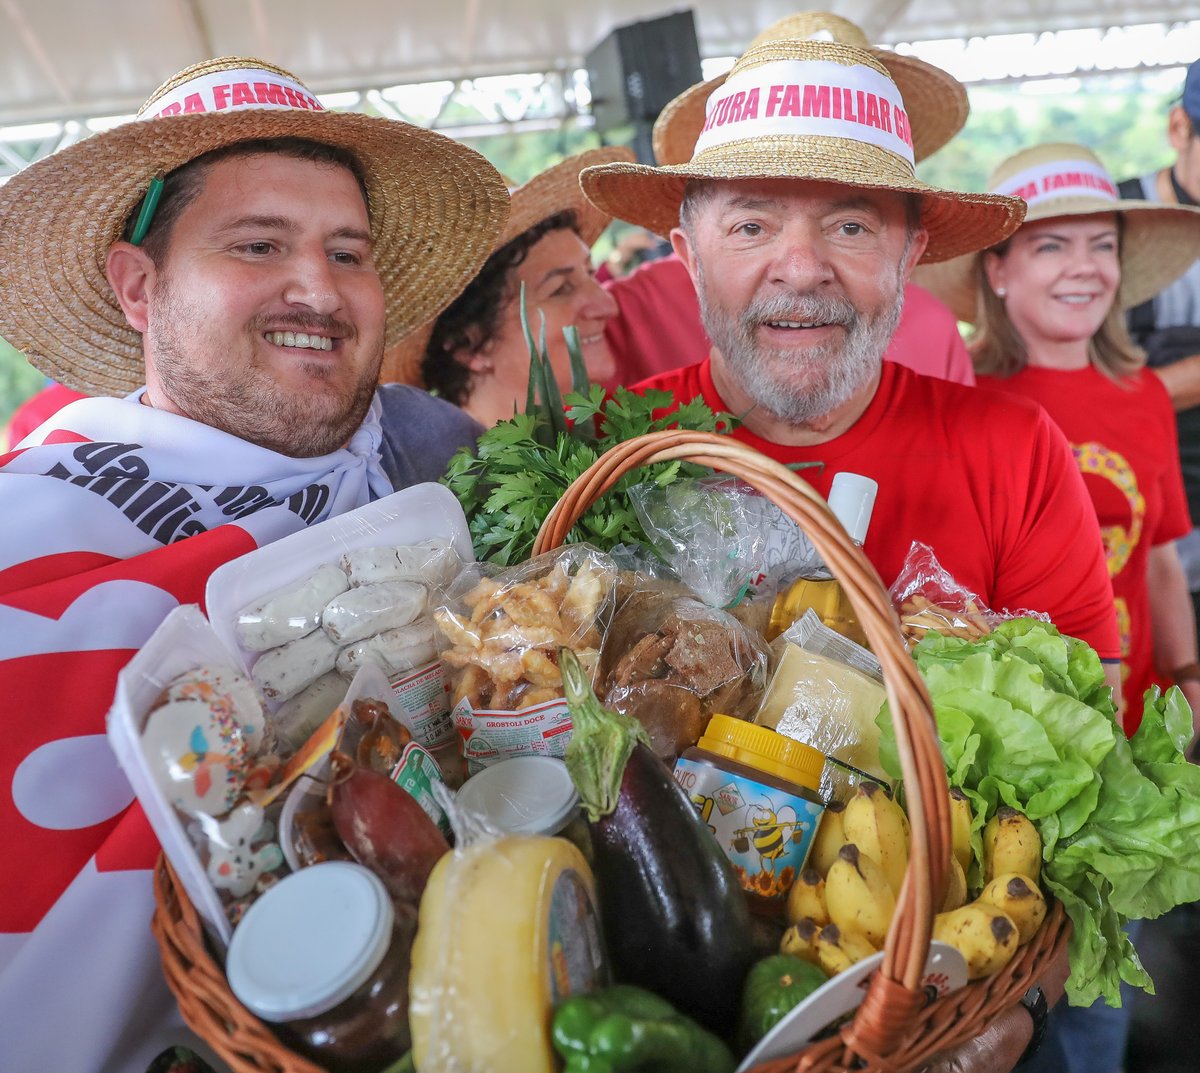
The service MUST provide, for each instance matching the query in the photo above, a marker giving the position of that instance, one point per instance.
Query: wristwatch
(1035, 1002)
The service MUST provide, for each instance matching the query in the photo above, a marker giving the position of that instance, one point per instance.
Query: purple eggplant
(675, 918)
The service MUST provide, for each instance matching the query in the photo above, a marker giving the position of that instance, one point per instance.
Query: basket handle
(895, 994)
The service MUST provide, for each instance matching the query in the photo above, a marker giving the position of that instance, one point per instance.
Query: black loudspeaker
(640, 67)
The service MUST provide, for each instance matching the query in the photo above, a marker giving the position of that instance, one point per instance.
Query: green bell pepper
(625, 1028)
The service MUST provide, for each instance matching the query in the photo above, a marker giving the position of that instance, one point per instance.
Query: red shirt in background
(36, 411)
(1123, 437)
(984, 479)
(658, 328)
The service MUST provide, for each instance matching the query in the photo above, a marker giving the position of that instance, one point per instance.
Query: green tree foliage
(1120, 119)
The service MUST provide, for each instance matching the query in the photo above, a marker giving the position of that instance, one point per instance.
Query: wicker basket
(896, 1030)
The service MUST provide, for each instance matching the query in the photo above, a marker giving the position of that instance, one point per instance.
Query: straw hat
(936, 101)
(557, 190)
(435, 207)
(811, 110)
(547, 194)
(1158, 242)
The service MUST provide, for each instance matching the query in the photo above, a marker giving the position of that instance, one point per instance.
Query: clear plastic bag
(673, 662)
(826, 692)
(927, 597)
(708, 532)
(503, 630)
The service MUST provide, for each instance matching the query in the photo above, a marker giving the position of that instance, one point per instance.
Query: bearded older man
(800, 218)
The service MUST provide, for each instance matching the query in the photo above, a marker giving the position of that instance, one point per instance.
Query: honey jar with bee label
(758, 793)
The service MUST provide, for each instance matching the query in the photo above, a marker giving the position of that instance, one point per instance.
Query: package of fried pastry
(928, 598)
(502, 630)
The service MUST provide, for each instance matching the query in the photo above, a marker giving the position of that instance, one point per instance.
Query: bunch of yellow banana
(842, 903)
(1010, 908)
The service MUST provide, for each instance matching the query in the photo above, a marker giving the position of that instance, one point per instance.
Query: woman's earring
(1001, 292)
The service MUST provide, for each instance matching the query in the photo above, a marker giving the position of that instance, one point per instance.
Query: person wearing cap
(475, 354)
(1167, 324)
(799, 217)
(659, 328)
(1047, 304)
(1048, 307)
(222, 278)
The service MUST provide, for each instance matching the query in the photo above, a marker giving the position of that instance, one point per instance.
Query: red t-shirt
(1123, 437)
(36, 411)
(985, 480)
(658, 328)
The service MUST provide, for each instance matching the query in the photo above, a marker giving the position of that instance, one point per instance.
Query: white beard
(800, 386)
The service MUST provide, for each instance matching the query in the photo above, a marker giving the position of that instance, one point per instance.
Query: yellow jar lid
(765, 749)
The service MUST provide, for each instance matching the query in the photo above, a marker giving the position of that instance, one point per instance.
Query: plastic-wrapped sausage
(297, 718)
(283, 672)
(433, 561)
(291, 612)
(370, 609)
(392, 651)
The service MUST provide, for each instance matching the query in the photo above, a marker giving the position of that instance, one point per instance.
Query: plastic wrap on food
(370, 609)
(297, 718)
(192, 737)
(672, 662)
(242, 849)
(283, 672)
(400, 649)
(503, 631)
(824, 693)
(433, 562)
(927, 597)
(708, 532)
(291, 612)
(201, 738)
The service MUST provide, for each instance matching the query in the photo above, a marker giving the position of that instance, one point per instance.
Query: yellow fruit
(956, 888)
(859, 897)
(1020, 899)
(800, 940)
(830, 837)
(986, 937)
(838, 950)
(1011, 844)
(878, 827)
(807, 898)
(960, 828)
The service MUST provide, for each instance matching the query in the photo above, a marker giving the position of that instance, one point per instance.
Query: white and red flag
(111, 515)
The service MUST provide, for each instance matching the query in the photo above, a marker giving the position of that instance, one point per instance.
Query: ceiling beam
(197, 24)
(262, 32)
(470, 23)
(33, 46)
(881, 16)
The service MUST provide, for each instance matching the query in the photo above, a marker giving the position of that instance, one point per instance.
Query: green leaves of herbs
(521, 467)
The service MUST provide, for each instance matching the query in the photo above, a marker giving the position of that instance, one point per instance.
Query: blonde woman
(1048, 305)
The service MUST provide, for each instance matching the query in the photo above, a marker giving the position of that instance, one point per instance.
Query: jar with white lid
(324, 955)
(527, 795)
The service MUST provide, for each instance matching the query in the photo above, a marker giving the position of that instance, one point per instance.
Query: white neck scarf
(111, 514)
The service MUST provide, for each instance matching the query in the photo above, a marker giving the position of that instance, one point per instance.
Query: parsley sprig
(521, 467)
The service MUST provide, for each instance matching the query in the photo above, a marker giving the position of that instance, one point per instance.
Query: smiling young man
(800, 218)
(221, 281)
